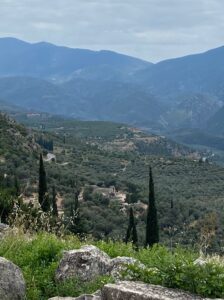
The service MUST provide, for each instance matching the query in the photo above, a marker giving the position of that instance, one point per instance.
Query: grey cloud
(150, 29)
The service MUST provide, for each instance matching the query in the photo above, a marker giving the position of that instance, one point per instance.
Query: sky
(153, 30)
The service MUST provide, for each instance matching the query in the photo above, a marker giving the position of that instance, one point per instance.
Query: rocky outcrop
(86, 264)
(119, 264)
(12, 284)
(95, 296)
(89, 262)
(129, 290)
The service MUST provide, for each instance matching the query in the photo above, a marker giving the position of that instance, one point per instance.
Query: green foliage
(6, 204)
(54, 202)
(43, 196)
(132, 235)
(98, 154)
(38, 257)
(152, 229)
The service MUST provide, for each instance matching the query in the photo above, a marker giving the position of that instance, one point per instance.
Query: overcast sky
(149, 29)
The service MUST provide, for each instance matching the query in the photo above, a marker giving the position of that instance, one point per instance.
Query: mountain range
(186, 92)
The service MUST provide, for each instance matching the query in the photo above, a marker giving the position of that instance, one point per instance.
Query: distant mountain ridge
(47, 61)
(202, 73)
(103, 85)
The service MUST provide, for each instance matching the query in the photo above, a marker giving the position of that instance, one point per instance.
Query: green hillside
(94, 157)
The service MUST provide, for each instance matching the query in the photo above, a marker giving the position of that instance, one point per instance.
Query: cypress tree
(132, 231)
(54, 202)
(17, 187)
(76, 224)
(152, 230)
(43, 195)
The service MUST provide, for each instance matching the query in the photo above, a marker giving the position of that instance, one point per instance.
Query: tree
(132, 231)
(42, 193)
(17, 187)
(6, 205)
(76, 225)
(54, 202)
(152, 230)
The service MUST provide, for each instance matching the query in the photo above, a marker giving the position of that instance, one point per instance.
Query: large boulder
(85, 264)
(129, 290)
(90, 262)
(126, 290)
(12, 284)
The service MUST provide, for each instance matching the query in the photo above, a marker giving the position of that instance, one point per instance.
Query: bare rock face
(90, 262)
(127, 290)
(86, 264)
(12, 284)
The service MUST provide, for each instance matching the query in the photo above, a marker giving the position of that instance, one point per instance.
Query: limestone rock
(200, 262)
(95, 296)
(86, 264)
(12, 284)
(118, 265)
(127, 290)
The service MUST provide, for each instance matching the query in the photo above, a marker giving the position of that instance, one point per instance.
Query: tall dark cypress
(152, 229)
(132, 231)
(43, 195)
(54, 202)
(76, 224)
(17, 187)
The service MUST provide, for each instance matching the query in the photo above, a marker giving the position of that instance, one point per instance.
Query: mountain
(32, 93)
(83, 99)
(102, 85)
(192, 110)
(215, 124)
(199, 73)
(47, 61)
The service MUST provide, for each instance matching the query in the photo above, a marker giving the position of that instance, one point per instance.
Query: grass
(38, 257)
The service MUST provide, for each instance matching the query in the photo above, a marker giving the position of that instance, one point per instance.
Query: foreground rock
(90, 262)
(86, 264)
(128, 290)
(12, 284)
(95, 296)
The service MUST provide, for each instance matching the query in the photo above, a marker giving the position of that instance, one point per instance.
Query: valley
(93, 158)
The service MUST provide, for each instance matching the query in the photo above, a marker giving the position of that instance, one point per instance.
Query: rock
(12, 284)
(85, 264)
(200, 262)
(120, 263)
(90, 262)
(127, 290)
(95, 296)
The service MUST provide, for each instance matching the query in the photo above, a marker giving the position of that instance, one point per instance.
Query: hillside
(16, 145)
(100, 156)
(199, 73)
(215, 124)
